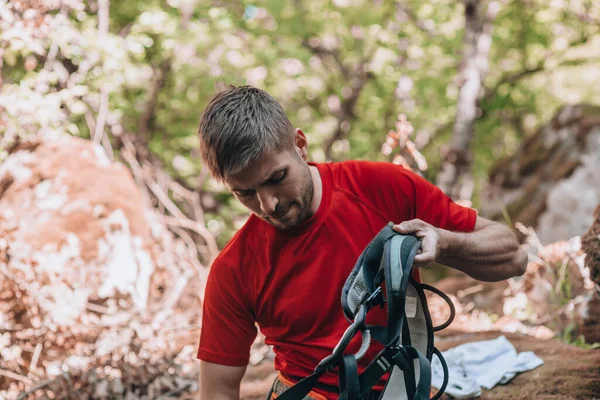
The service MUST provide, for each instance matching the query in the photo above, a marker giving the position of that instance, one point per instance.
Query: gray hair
(237, 126)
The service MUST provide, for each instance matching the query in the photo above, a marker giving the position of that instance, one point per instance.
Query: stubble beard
(303, 204)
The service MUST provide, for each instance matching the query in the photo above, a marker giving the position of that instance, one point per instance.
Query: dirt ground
(569, 372)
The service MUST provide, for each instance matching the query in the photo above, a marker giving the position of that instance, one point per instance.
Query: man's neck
(318, 189)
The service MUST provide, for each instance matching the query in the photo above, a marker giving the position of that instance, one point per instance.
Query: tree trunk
(455, 178)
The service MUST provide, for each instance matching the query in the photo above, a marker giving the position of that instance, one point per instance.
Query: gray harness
(408, 335)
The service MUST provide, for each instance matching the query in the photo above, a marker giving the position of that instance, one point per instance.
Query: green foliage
(162, 60)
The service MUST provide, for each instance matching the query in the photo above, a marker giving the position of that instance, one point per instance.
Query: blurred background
(109, 222)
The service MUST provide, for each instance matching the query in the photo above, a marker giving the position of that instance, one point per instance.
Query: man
(285, 268)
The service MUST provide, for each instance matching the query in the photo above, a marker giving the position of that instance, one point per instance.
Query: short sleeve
(400, 195)
(228, 328)
(433, 206)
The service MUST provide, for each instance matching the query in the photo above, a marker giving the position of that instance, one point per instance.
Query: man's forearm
(489, 254)
(220, 382)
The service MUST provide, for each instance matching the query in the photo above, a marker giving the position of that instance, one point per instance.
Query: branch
(101, 120)
(36, 356)
(402, 8)
(54, 47)
(159, 82)
(39, 386)
(515, 77)
(136, 169)
(103, 17)
(187, 223)
(321, 51)
(347, 111)
(192, 247)
(179, 219)
(15, 377)
(172, 299)
(98, 136)
(91, 124)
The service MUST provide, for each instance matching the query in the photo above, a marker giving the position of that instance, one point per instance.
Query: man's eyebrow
(266, 182)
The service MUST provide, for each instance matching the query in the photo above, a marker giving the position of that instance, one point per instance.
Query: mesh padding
(357, 292)
(419, 337)
(417, 369)
(395, 388)
(418, 324)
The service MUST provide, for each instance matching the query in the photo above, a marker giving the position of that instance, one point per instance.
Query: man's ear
(301, 144)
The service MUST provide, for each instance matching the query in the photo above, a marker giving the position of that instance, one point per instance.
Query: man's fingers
(422, 230)
(426, 254)
(409, 226)
(423, 260)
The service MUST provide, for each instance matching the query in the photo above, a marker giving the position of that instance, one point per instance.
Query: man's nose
(268, 201)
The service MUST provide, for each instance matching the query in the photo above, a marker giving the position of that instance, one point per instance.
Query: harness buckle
(376, 298)
(400, 356)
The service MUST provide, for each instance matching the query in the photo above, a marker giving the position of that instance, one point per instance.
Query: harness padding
(383, 275)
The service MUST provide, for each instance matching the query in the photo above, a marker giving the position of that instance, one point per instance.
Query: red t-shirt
(289, 283)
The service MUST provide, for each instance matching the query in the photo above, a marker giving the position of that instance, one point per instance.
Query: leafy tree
(142, 71)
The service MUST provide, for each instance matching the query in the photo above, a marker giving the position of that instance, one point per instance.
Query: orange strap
(289, 383)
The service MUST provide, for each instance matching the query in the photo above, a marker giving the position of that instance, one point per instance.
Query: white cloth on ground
(481, 364)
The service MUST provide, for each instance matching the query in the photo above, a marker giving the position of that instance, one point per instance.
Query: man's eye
(278, 178)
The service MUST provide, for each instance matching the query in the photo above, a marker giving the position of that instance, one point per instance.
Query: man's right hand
(220, 382)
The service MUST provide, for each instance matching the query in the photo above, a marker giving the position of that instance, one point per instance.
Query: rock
(66, 209)
(552, 181)
(590, 243)
(93, 285)
(589, 324)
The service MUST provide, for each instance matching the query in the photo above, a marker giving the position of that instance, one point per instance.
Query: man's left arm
(490, 253)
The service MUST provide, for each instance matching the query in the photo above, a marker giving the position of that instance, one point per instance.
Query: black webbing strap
(445, 368)
(379, 366)
(447, 299)
(403, 358)
(409, 373)
(378, 333)
(424, 385)
(348, 374)
(373, 254)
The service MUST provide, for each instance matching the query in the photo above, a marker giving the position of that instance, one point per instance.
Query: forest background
(449, 89)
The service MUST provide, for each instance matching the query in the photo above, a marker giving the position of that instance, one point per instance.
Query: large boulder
(590, 243)
(552, 182)
(96, 294)
(66, 209)
(589, 324)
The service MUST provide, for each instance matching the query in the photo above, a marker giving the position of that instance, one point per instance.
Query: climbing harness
(407, 338)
